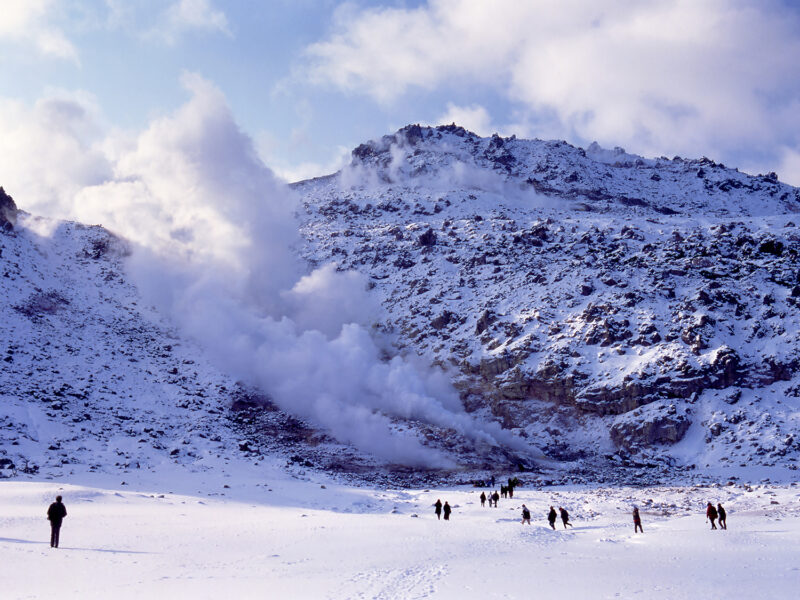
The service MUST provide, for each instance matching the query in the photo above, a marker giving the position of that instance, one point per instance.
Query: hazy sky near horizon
(308, 80)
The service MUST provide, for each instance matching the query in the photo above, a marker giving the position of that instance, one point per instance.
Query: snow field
(291, 538)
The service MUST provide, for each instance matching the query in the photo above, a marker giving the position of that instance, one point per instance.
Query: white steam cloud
(214, 231)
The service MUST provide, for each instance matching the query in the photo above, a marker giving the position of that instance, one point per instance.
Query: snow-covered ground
(271, 534)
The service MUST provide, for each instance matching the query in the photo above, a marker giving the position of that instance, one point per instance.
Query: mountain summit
(600, 304)
(607, 309)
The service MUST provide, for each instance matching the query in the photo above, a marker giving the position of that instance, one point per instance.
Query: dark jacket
(438, 506)
(526, 514)
(711, 512)
(636, 518)
(721, 511)
(56, 513)
(564, 514)
(551, 516)
(446, 509)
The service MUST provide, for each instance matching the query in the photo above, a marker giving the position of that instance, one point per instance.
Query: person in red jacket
(55, 514)
(637, 521)
(711, 515)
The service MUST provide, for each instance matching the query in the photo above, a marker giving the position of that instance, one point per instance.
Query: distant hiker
(56, 514)
(711, 514)
(492, 481)
(564, 517)
(551, 517)
(483, 498)
(722, 516)
(512, 483)
(438, 509)
(447, 511)
(526, 515)
(637, 521)
(495, 497)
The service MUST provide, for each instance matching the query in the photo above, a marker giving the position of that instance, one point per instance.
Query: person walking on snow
(637, 521)
(495, 497)
(447, 511)
(438, 509)
(564, 517)
(551, 517)
(483, 498)
(711, 515)
(526, 515)
(56, 514)
(723, 516)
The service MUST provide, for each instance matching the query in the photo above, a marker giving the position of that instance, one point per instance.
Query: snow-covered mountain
(94, 380)
(609, 309)
(600, 303)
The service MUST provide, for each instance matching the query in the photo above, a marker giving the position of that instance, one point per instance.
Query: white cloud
(50, 150)
(681, 76)
(189, 15)
(273, 154)
(789, 167)
(474, 117)
(29, 22)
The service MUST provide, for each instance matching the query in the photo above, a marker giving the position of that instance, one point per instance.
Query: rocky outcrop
(8, 211)
(589, 306)
(658, 423)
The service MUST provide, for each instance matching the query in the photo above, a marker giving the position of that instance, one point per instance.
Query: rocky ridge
(599, 303)
(615, 311)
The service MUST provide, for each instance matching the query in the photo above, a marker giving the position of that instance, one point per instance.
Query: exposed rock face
(8, 211)
(656, 424)
(632, 283)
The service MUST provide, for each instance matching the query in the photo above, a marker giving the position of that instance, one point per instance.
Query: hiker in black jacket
(483, 498)
(447, 511)
(722, 517)
(711, 514)
(56, 514)
(551, 517)
(526, 515)
(637, 521)
(438, 509)
(565, 517)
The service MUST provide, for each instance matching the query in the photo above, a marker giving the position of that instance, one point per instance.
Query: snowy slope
(616, 312)
(315, 539)
(93, 380)
(601, 304)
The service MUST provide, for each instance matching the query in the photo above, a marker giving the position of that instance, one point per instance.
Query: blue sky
(309, 79)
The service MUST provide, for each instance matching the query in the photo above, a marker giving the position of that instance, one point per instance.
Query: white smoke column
(215, 231)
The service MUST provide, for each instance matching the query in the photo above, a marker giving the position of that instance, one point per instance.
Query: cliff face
(595, 301)
(8, 211)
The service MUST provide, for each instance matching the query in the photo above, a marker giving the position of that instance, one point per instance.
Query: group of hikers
(551, 516)
(712, 513)
(57, 511)
(439, 508)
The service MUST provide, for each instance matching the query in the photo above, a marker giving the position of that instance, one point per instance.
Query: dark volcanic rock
(657, 423)
(8, 211)
(427, 239)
